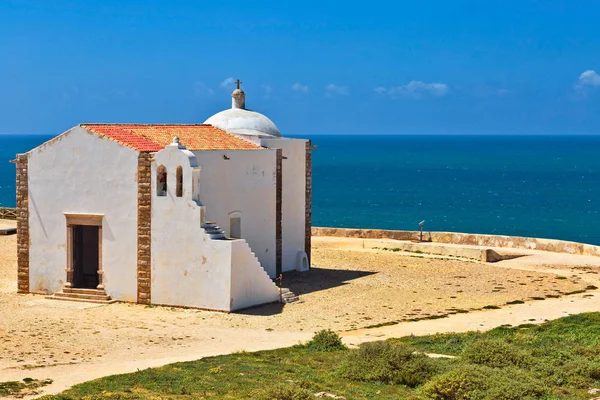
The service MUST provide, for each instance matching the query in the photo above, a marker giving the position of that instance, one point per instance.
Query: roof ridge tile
(154, 137)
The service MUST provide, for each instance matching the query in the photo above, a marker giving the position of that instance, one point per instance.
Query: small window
(161, 181)
(179, 188)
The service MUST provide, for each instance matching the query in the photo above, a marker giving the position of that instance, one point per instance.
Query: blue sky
(418, 67)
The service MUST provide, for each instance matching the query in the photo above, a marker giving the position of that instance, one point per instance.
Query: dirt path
(530, 313)
(209, 342)
(74, 342)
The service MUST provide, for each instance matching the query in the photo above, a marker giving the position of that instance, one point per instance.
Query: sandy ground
(349, 288)
(7, 223)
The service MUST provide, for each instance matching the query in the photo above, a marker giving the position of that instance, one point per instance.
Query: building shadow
(301, 283)
(317, 279)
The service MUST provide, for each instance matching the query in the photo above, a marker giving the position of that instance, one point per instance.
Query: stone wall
(144, 231)
(22, 224)
(515, 242)
(293, 219)
(279, 212)
(308, 201)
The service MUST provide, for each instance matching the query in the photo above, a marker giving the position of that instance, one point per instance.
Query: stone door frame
(87, 220)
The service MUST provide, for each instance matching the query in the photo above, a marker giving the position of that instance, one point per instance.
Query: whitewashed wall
(250, 284)
(243, 183)
(81, 172)
(293, 197)
(188, 268)
(184, 269)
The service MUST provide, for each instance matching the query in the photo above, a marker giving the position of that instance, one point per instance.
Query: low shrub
(495, 354)
(579, 372)
(456, 384)
(416, 371)
(514, 384)
(387, 363)
(284, 393)
(477, 382)
(325, 340)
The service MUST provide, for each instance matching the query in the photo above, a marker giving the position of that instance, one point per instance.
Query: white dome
(240, 121)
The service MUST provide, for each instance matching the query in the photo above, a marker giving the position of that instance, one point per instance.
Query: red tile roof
(155, 137)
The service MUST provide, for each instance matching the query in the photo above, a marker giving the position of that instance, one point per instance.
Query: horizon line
(369, 134)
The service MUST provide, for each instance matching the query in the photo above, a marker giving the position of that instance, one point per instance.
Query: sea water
(539, 186)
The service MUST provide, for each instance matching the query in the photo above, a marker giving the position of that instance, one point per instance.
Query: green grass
(26, 387)
(11, 388)
(556, 360)
(582, 330)
(236, 376)
(563, 354)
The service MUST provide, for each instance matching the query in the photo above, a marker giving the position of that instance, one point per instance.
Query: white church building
(201, 215)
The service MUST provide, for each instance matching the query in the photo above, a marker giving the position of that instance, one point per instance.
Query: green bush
(325, 340)
(475, 382)
(284, 393)
(388, 363)
(577, 373)
(515, 384)
(457, 384)
(495, 354)
(416, 371)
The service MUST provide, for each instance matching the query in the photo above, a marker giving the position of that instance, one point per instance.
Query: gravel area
(347, 289)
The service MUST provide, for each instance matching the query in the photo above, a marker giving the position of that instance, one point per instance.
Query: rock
(329, 395)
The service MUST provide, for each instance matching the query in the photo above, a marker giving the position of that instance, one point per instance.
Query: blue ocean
(540, 186)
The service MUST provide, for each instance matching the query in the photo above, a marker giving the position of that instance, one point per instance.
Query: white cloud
(416, 90)
(333, 89)
(298, 87)
(201, 90)
(268, 91)
(228, 82)
(587, 81)
(589, 78)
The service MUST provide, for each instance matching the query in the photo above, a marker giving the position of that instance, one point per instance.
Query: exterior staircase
(98, 296)
(287, 296)
(213, 230)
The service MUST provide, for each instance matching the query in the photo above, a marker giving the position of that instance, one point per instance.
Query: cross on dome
(238, 96)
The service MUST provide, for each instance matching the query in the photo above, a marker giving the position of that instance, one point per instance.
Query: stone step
(84, 291)
(287, 296)
(82, 296)
(53, 297)
(213, 230)
(211, 226)
(289, 300)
